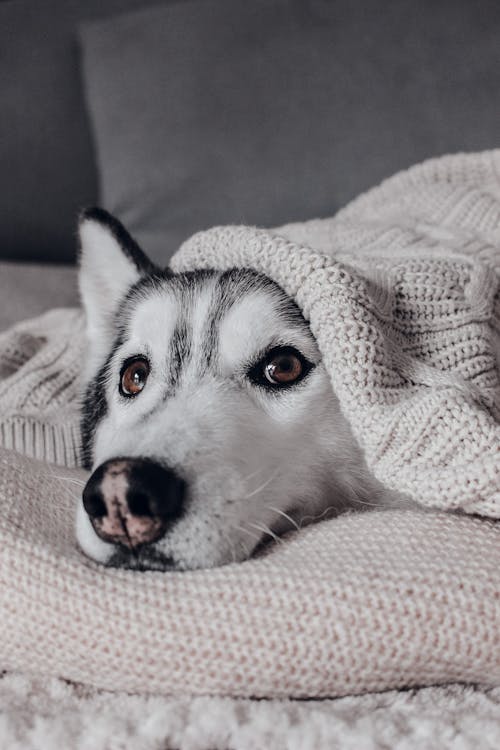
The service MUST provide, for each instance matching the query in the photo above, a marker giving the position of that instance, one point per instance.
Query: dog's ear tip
(94, 224)
(98, 229)
(95, 213)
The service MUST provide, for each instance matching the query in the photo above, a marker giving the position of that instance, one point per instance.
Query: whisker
(316, 518)
(240, 542)
(285, 515)
(230, 544)
(250, 476)
(262, 486)
(73, 496)
(266, 530)
(66, 483)
(363, 502)
(245, 549)
(70, 480)
(247, 531)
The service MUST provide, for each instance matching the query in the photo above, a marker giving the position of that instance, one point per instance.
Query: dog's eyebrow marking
(231, 287)
(227, 291)
(218, 306)
(179, 352)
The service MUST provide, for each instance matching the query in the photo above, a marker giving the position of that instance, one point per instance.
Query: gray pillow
(229, 111)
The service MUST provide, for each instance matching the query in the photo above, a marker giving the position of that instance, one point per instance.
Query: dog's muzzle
(133, 501)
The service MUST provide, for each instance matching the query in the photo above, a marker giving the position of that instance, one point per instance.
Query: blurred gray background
(180, 115)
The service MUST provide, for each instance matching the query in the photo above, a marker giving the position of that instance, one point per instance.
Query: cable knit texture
(401, 290)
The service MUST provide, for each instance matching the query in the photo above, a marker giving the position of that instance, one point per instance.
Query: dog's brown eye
(283, 368)
(134, 376)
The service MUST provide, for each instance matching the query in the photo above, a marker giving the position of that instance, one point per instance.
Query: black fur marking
(233, 285)
(210, 337)
(240, 281)
(148, 558)
(226, 293)
(148, 283)
(127, 243)
(94, 409)
(95, 406)
(180, 350)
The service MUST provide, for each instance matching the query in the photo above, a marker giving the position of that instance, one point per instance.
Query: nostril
(155, 491)
(139, 504)
(94, 504)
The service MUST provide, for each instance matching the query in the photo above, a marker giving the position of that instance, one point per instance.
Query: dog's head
(208, 417)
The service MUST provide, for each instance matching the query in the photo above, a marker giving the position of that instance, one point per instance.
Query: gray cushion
(272, 110)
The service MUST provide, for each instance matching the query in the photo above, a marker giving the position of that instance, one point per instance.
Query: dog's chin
(149, 558)
(142, 559)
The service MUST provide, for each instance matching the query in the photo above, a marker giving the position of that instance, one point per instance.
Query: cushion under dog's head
(208, 417)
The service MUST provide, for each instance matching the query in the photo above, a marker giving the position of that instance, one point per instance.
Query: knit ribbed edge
(53, 443)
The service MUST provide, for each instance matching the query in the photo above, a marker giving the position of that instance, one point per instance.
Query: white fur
(105, 276)
(93, 545)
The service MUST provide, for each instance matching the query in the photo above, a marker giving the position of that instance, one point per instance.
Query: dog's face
(209, 420)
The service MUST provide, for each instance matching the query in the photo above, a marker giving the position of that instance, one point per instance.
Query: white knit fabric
(402, 295)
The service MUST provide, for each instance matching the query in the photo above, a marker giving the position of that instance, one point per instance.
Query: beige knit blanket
(402, 292)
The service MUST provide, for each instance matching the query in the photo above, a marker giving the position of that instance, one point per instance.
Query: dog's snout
(132, 501)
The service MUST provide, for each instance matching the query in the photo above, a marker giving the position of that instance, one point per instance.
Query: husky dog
(208, 418)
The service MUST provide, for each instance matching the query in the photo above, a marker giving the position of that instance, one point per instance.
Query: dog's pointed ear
(110, 262)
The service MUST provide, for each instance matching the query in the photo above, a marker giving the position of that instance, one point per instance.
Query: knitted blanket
(401, 289)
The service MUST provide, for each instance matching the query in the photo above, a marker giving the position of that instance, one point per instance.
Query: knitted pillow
(362, 602)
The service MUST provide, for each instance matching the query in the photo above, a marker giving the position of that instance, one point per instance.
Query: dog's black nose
(132, 501)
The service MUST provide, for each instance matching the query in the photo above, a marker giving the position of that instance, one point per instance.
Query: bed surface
(28, 289)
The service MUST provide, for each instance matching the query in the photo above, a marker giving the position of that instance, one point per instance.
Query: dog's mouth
(146, 557)
(141, 559)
